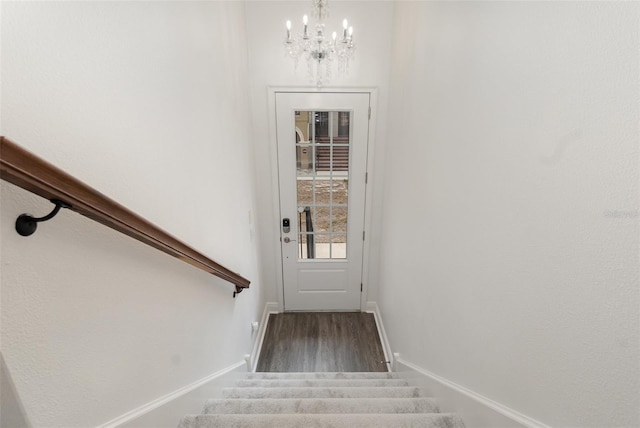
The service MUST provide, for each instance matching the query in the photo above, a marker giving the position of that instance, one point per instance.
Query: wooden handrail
(26, 170)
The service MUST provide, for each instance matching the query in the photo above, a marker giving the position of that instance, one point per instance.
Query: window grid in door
(322, 180)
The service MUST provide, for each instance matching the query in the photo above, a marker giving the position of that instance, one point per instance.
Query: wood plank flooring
(321, 342)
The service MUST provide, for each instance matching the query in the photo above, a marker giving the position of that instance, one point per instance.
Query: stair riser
(322, 383)
(438, 420)
(349, 392)
(322, 405)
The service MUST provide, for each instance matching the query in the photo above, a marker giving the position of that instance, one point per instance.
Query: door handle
(286, 239)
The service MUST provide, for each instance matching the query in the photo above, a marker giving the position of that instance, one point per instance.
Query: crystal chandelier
(319, 51)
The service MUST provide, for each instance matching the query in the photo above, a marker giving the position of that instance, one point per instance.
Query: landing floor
(321, 342)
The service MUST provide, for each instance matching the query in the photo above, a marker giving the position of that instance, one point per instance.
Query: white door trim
(275, 188)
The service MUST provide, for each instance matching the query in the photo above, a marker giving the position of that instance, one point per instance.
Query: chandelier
(319, 51)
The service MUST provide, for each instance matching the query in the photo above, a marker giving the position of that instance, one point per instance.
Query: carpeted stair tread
(293, 383)
(322, 375)
(319, 392)
(322, 405)
(366, 420)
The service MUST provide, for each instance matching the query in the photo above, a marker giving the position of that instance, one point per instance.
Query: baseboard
(159, 413)
(372, 307)
(269, 308)
(475, 409)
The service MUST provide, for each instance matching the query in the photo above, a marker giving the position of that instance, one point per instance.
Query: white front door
(322, 155)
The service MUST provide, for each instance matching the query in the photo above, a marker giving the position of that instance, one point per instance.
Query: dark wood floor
(321, 342)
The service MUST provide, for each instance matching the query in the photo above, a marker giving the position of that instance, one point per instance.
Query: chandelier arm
(318, 51)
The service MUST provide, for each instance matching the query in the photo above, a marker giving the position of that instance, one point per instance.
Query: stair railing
(24, 169)
(311, 245)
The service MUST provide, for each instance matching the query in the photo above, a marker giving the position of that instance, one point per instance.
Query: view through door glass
(322, 182)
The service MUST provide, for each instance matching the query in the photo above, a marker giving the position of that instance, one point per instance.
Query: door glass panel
(338, 246)
(322, 191)
(322, 165)
(323, 246)
(305, 197)
(322, 219)
(339, 223)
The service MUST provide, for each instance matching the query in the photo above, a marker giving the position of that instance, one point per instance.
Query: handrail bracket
(238, 291)
(26, 224)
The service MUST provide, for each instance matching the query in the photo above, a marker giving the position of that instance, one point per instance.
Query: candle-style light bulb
(350, 33)
(288, 30)
(345, 24)
(334, 35)
(305, 20)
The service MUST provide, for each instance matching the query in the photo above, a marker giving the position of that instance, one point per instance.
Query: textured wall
(510, 237)
(148, 103)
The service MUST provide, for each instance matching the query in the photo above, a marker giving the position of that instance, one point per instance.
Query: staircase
(341, 400)
(340, 158)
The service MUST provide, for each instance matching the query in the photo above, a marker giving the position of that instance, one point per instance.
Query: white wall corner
(176, 403)
(269, 308)
(372, 308)
(167, 410)
(475, 409)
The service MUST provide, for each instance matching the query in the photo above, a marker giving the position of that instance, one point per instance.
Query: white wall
(510, 237)
(148, 103)
(269, 67)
